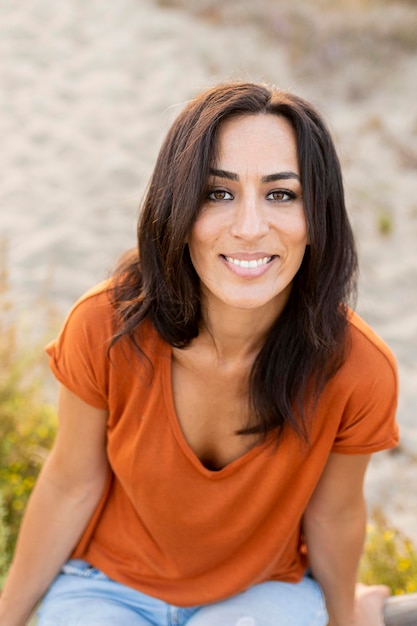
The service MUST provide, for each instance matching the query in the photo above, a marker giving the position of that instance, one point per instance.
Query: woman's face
(249, 239)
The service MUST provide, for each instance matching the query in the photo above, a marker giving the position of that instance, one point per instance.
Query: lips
(249, 263)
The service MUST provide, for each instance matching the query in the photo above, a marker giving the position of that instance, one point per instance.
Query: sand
(89, 89)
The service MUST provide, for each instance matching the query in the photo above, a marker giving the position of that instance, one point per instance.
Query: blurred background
(88, 90)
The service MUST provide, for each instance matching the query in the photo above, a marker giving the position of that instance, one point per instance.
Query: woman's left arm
(334, 527)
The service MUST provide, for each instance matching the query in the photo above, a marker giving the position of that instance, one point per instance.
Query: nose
(249, 221)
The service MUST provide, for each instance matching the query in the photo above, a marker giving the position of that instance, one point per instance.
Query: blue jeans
(83, 596)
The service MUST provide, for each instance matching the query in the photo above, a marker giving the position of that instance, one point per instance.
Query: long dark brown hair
(308, 341)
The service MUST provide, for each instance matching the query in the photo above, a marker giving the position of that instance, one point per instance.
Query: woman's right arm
(65, 496)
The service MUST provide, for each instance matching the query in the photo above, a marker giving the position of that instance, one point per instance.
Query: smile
(252, 264)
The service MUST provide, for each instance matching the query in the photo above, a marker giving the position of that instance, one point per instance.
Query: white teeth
(249, 264)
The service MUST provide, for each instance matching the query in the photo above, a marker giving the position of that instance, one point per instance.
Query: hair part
(307, 343)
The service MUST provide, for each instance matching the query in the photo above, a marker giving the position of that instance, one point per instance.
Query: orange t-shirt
(168, 526)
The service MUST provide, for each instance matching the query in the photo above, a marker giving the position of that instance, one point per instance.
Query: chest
(211, 405)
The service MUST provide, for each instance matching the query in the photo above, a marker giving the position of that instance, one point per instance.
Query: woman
(219, 402)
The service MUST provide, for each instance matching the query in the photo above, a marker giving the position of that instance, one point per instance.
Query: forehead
(262, 139)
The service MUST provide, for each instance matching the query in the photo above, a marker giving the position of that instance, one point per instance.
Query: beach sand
(89, 89)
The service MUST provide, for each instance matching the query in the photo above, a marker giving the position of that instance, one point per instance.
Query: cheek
(296, 231)
(193, 244)
(196, 245)
(305, 238)
(306, 232)
(305, 227)
(203, 234)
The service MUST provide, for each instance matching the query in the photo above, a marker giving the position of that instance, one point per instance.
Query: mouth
(249, 264)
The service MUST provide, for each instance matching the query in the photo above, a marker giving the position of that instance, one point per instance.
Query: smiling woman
(219, 399)
(249, 239)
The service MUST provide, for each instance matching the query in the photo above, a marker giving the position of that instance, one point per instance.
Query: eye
(217, 195)
(281, 195)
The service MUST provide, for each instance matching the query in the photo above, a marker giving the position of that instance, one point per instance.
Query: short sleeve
(368, 422)
(78, 357)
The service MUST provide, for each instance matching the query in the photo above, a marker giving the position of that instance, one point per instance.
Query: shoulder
(368, 354)
(83, 358)
(96, 302)
(95, 319)
(90, 321)
(364, 393)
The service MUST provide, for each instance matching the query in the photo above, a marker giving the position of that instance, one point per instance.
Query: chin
(254, 304)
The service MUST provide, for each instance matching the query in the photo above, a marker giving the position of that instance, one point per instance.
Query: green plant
(4, 531)
(385, 223)
(27, 423)
(389, 558)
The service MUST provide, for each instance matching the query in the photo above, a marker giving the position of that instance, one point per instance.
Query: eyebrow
(265, 179)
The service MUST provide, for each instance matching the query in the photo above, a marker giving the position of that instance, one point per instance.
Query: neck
(236, 333)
